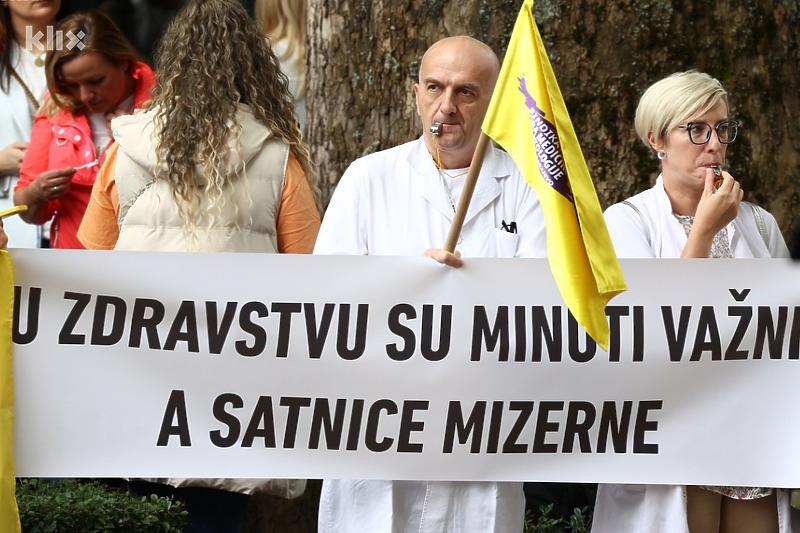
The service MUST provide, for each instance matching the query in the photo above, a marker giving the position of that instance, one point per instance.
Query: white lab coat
(16, 118)
(653, 231)
(392, 203)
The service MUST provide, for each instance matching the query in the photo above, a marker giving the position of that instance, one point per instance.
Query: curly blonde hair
(213, 57)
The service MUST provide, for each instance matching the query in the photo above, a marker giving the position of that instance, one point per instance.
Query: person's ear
(656, 145)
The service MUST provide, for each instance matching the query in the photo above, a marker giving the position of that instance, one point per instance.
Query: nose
(85, 94)
(713, 144)
(448, 102)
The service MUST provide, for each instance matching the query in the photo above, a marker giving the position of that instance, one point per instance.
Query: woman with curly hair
(220, 138)
(214, 164)
(90, 83)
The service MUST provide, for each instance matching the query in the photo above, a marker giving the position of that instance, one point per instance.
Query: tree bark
(363, 58)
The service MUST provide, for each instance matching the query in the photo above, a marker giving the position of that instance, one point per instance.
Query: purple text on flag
(548, 147)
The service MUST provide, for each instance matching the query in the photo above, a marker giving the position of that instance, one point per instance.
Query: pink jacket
(66, 141)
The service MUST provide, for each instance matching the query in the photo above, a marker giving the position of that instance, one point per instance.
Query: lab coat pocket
(504, 243)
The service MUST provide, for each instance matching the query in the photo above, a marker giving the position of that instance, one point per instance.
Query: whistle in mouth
(717, 176)
(436, 129)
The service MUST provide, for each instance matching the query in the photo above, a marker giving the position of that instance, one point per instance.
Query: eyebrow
(474, 87)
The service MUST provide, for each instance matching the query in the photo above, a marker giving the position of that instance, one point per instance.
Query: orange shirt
(298, 219)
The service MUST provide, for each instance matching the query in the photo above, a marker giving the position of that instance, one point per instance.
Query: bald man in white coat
(401, 201)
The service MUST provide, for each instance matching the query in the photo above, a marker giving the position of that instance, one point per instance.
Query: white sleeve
(344, 224)
(777, 245)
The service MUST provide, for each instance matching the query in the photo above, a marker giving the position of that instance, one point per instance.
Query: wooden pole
(466, 194)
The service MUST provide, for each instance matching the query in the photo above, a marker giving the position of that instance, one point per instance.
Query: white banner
(258, 365)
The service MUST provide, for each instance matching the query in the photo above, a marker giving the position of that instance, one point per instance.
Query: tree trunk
(364, 58)
(363, 61)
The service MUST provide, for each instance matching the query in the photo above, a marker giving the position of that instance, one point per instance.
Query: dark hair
(7, 41)
(5, 47)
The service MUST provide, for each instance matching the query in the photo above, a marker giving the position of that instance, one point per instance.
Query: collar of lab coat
(428, 180)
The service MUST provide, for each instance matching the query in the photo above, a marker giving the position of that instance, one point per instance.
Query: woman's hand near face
(716, 209)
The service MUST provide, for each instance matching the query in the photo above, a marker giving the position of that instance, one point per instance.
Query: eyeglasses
(700, 132)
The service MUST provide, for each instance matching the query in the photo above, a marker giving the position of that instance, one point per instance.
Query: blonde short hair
(675, 99)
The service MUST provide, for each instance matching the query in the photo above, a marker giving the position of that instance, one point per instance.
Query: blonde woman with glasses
(695, 210)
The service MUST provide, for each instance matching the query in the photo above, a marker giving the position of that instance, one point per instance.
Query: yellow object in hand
(13, 210)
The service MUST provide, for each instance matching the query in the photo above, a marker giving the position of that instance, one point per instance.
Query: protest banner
(259, 365)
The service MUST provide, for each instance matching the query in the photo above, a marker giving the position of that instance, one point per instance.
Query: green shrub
(68, 505)
(579, 522)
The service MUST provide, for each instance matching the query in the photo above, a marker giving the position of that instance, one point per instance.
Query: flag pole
(466, 194)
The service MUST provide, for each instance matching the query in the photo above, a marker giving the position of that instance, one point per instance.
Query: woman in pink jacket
(89, 85)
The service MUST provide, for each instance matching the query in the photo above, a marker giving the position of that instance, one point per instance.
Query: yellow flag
(9, 515)
(528, 118)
